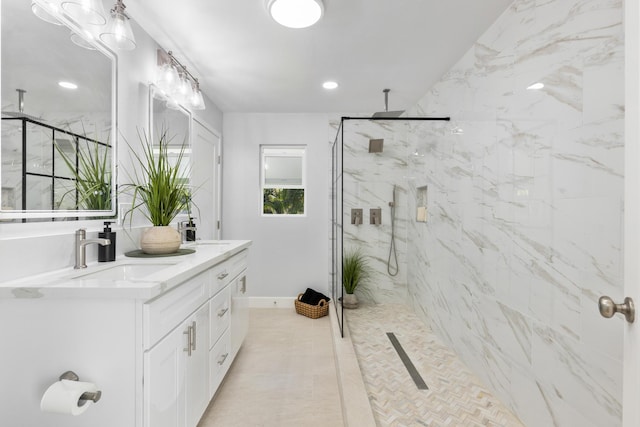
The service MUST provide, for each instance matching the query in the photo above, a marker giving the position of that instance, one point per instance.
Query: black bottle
(191, 234)
(107, 253)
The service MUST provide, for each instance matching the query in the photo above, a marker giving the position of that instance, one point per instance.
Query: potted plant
(355, 271)
(160, 190)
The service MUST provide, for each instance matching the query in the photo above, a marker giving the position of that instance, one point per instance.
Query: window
(283, 180)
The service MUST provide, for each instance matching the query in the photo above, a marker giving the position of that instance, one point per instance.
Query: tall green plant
(92, 175)
(157, 183)
(355, 270)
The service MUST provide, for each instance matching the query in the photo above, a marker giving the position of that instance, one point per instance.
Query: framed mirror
(58, 133)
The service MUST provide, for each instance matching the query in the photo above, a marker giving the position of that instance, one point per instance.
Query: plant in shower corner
(355, 270)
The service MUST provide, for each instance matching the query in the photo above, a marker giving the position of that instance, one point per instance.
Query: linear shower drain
(408, 364)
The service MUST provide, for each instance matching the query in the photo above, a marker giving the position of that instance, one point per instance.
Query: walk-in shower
(381, 185)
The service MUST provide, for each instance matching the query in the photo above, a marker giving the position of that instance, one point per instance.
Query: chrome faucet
(81, 242)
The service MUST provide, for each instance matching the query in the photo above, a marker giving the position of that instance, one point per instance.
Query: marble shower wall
(368, 181)
(525, 210)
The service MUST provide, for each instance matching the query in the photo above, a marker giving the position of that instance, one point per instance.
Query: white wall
(30, 248)
(288, 254)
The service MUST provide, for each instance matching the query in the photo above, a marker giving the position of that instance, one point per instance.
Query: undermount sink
(125, 272)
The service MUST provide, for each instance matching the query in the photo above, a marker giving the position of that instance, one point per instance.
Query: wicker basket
(312, 311)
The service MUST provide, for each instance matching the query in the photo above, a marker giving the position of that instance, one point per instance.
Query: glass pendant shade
(197, 101)
(295, 13)
(83, 42)
(182, 90)
(167, 78)
(172, 104)
(46, 11)
(85, 12)
(118, 33)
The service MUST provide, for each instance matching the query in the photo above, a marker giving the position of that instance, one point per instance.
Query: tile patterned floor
(455, 396)
(283, 376)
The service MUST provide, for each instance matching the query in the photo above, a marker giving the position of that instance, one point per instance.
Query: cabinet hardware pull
(222, 276)
(244, 284)
(188, 334)
(193, 335)
(222, 359)
(222, 312)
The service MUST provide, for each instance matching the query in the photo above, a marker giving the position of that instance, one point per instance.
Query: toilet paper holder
(72, 376)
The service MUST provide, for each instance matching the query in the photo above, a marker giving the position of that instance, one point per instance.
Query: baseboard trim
(271, 302)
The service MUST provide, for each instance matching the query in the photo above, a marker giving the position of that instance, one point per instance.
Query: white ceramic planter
(161, 239)
(350, 301)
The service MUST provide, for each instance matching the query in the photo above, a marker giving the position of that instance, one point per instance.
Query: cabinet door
(164, 386)
(239, 313)
(197, 367)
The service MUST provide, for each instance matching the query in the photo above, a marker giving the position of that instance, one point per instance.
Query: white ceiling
(248, 63)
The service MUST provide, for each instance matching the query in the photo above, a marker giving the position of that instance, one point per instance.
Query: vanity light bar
(195, 99)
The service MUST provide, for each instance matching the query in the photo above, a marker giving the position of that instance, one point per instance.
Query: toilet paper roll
(63, 397)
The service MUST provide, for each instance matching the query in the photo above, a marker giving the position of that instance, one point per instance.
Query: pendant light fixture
(85, 12)
(118, 33)
(295, 13)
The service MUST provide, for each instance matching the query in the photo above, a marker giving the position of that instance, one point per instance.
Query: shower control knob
(608, 308)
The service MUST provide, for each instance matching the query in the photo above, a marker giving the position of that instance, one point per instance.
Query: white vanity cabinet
(173, 326)
(186, 360)
(157, 348)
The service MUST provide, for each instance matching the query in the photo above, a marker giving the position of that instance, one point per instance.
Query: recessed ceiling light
(295, 13)
(68, 85)
(536, 86)
(329, 85)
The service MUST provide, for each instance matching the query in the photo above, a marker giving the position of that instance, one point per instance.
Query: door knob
(608, 308)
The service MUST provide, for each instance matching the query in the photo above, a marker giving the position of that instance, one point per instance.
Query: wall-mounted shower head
(386, 112)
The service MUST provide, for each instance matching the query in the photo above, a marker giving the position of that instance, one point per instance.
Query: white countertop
(70, 283)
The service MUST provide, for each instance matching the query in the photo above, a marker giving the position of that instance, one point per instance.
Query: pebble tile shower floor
(455, 396)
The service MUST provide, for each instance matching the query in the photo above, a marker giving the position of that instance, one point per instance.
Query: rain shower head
(386, 113)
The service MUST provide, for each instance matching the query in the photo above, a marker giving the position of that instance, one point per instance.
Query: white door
(631, 372)
(206, 177)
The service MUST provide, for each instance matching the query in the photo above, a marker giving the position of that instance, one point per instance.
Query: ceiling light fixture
(177, 84)
(330, 85)
(295, 13)
(85, 12)
(118, 33)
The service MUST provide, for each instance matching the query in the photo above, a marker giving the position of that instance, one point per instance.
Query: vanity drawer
(223, 273)
(219, 362)
(220, 314)
(163, 314)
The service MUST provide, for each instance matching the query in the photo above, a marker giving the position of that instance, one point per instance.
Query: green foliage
(283, 201)
(92, 175)
(157, 183)
(355, 270)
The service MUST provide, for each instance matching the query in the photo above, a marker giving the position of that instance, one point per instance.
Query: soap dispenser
(107, 253)
(191, 230)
